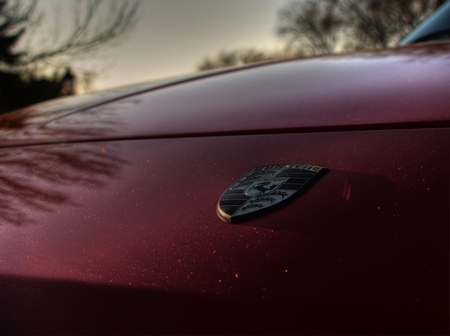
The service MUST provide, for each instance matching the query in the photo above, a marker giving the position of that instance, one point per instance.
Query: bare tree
(383, 23)
(330, 26)
(36, 47)
(310, 27)
(46, 43)
(12, 21)
(222, 60)
(238, 57)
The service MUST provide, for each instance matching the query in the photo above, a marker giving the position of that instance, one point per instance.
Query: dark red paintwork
(120, 234)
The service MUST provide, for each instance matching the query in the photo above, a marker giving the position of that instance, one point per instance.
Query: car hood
(341, 92)
(120, 237)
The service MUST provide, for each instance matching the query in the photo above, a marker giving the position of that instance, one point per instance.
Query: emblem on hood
(263, 188)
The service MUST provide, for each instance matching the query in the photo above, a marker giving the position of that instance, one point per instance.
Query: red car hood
(396, 88)
(115, 236)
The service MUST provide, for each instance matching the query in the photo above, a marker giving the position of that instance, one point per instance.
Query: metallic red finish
(370, 90)
(119, 236)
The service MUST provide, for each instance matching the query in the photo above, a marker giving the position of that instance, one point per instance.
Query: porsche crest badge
(264, 188)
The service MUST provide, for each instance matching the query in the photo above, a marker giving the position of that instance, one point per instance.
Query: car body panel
(370, 239)
(108, 215)
(373, 89)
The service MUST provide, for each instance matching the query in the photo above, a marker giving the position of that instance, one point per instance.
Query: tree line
(35, 56)
(36, 51)
(312, 27)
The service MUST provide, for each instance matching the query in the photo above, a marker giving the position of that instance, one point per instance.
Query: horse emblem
(266, 187)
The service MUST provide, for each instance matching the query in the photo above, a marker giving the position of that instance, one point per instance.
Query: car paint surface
(375, 89)
(120, 235)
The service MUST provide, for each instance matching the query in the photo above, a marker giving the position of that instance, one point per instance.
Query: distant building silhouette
(68, 83)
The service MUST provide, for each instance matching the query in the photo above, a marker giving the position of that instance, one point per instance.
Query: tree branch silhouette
(95, 24)
(34, 52)
(237, 57)
(330, 26)
(39, 177)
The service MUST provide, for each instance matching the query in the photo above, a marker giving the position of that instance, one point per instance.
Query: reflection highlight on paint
(347, 190)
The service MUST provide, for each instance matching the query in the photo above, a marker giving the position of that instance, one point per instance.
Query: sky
(173, 36)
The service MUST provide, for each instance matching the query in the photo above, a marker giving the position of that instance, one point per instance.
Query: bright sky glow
(173, 36)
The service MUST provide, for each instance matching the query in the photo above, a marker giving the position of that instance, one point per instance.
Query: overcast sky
(173, 36)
